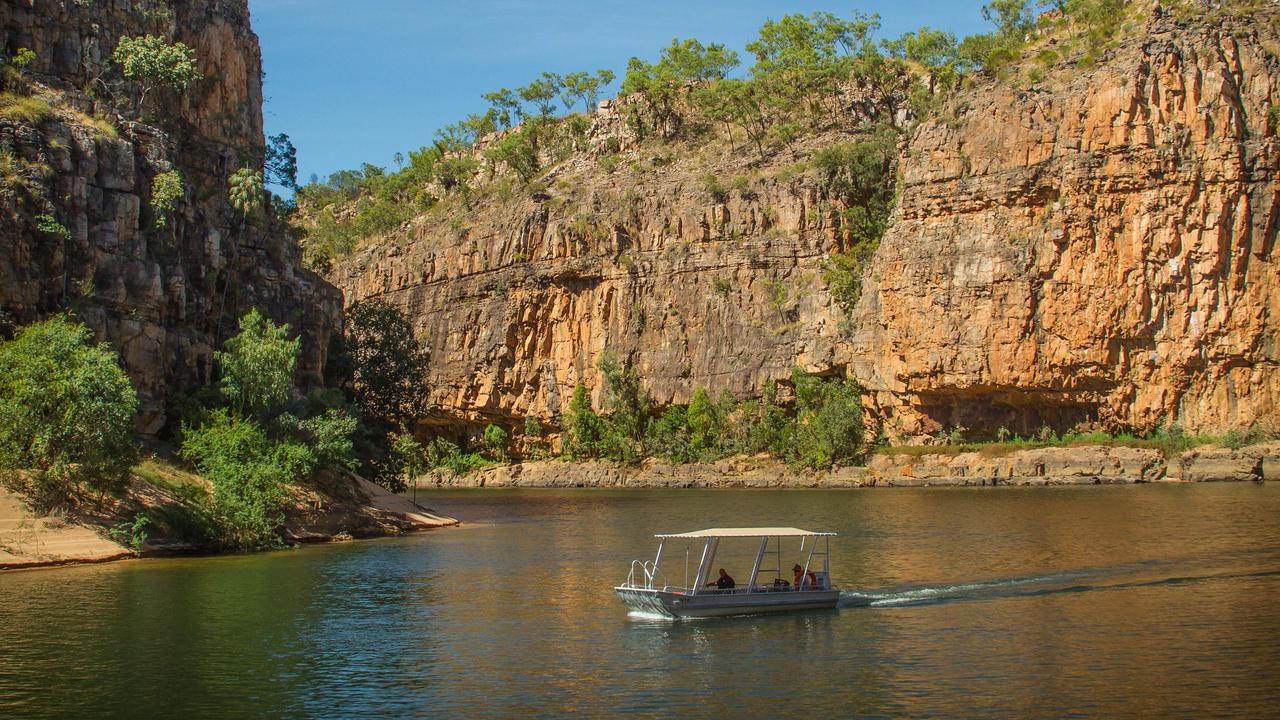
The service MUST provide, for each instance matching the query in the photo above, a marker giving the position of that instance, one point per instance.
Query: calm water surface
(1048, 602)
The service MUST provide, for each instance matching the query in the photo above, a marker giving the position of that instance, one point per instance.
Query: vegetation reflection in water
(1112, 601)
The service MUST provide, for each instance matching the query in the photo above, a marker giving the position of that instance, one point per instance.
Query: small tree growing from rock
(152, 62)
(166, 190)
(244, 190)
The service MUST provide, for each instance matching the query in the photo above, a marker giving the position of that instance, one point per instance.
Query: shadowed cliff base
(1082, 465)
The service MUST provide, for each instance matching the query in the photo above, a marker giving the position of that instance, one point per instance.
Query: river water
(1000, 602)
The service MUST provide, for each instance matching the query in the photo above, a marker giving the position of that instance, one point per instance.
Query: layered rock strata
(1094, 251)
(1098, 250)
(164, 296)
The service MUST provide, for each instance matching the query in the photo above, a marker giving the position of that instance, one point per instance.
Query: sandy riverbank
(314, 514)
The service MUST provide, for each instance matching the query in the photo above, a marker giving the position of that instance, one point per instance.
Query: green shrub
(444, 455)
(609, 163)
(627, 408)
(257, 365)
(166, 190)
(711, 184)
(49, 224)
(518, 151)
(828, 428)
(410, 458)
(825, 428)
(329, 436)
(249, 474)
(583, 428)
(131, 534)
(66, 413)
(22, 58)
(495, 440)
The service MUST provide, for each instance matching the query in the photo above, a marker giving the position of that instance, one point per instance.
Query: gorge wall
(164, 297)
(1096, 250)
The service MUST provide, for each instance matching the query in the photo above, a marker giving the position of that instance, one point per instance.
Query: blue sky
(355, 82)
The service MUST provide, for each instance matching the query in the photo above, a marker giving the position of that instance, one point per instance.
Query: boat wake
(1033, 586)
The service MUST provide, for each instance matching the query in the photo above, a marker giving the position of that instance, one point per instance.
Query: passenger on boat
(804, 582)
(724, 582)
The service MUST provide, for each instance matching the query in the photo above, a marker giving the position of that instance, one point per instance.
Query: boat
(647, 591)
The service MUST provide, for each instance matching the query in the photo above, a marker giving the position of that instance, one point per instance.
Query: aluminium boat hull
(712, 604)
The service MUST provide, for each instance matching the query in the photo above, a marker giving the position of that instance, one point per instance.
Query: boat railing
(649, 571)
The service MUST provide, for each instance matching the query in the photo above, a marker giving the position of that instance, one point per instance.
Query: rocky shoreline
(1084, 465)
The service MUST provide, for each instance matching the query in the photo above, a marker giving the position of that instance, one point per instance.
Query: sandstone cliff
(165, 297)
(1096, 250)
(1099, 248)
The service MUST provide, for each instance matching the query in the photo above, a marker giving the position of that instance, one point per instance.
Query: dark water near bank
(1017, 602)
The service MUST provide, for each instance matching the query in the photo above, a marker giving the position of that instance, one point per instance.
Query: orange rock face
(1094, 252)
(166, 296)
(1100, 252)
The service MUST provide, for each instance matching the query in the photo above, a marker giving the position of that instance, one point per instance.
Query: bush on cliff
(259, 441)
(66, 413)
(257, 365)
(153, 62)
(584, 429)
(828, 428)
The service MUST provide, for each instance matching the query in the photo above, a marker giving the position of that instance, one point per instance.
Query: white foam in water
(925, 594)
(642, 615)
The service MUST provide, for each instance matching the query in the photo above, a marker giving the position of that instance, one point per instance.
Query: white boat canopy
(748, 532)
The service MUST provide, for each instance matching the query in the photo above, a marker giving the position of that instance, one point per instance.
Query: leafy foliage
(383, 364)
(585, 87)
(410, 456)
(49, 225)
(245, 190)
(153, 62)
(860, 176)
(518, 150)
(66, 412)
(661, 83)
(258, 444)
(583, 428)
(257, 365)
(495, 442)
(824, 428)
(166, 190)
(280, 164)
(248, 473)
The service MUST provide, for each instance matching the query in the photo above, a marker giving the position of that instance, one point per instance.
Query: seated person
(724, 582)
(805, 581)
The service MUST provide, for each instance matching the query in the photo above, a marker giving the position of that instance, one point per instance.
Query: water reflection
(990, 603)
